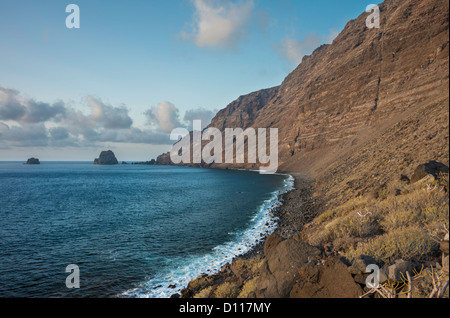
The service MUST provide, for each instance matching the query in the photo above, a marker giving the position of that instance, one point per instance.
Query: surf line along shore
(298, 207)
(244, 307)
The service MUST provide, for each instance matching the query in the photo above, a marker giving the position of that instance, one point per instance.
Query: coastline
(249, 243)
(297, 207)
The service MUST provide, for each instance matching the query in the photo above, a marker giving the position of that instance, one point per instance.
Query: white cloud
(219, 23)
(331, 36)
(13, 107)
(111, 117)
(43, 124)
(293, 50)
(23, 136)
(199, 114)
(165, 116)
(39, 124)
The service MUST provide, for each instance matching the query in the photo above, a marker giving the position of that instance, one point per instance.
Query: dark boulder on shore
(433, 168)
(282, 263)
(106, 158)
(33, 161)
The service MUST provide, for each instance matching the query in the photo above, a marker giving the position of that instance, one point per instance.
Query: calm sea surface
(131, 230)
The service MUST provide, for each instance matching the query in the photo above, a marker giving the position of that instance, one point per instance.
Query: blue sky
(134, 69)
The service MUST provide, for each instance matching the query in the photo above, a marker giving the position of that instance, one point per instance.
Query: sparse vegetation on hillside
(397, 225)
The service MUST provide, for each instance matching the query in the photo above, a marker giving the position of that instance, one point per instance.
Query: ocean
(132, 230)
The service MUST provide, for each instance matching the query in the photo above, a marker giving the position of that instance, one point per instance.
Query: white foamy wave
(184, 270)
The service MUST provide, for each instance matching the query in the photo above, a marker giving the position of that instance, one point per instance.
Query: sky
(136, 69)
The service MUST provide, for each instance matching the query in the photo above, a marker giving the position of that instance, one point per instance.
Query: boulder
(330, 280)
(361, 278)
(432, 168)
(106, 158)
(33, 161)
(280, 270)
(272, 241)
(397, 271)
(384, 274)
(360, 264)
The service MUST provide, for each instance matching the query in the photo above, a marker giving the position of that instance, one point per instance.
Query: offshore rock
(33, 161)
(106, 158)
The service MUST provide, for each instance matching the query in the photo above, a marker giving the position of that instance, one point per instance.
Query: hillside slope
(349, 92)
(358, 116)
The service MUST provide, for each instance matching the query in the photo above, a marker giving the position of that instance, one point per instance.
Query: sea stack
(33, 161)
(106, 158)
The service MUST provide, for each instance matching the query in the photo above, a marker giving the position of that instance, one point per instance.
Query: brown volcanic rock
(431, 168)
(106, 158)
(243, 111)
(354, 85)
(331, 280)
(281, 267)
(33, 161)
(346, 93)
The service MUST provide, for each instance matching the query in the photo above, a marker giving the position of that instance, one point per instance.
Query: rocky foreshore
(285, 265)
(298, 208)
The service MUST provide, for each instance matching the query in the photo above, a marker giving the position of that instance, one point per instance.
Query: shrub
(408, 244)
(355, 225)
(419, 208)
(357, 203)
(227, 290)
(247, 267)
(249, 286)
(205, 293)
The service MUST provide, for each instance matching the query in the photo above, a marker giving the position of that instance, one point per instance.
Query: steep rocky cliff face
(367, 80)
(348, 93)
(244, 111)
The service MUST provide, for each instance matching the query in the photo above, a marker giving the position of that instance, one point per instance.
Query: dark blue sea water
(132, 230)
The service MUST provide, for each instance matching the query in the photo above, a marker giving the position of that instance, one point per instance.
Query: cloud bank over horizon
(25, 122)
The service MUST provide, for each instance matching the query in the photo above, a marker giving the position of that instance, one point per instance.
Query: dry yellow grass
(397, 224)
(227, 290)
(205, 293)
(249, 287)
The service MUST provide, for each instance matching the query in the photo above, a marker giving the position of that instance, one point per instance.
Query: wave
(185, 269)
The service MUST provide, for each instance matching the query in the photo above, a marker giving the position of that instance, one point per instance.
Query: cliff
(348, 93)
